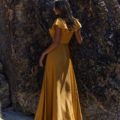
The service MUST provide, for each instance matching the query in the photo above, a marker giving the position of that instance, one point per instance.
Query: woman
(59, 99)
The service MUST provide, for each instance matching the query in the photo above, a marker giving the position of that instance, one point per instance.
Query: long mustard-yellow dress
(59, 99)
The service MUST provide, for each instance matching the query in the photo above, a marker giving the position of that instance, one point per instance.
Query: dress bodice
(65, 33)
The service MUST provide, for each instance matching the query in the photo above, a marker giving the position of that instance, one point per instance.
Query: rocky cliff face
(24, 35)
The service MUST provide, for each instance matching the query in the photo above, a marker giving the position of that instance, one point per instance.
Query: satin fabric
(59, 98)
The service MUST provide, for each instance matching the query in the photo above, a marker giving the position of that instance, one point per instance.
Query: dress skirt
(59, 99)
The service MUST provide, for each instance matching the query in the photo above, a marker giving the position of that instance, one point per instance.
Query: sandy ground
(11, 115)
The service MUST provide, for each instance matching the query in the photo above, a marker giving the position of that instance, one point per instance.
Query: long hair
(66, 14)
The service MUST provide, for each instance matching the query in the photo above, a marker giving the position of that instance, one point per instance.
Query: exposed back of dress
(65, 33)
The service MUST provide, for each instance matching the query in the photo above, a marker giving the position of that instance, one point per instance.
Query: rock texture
(4, 92)
(24, 36)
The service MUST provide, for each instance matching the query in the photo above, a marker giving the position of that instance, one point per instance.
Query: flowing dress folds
(59, 98)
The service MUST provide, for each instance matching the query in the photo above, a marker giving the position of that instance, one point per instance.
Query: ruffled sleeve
(78, 25)
(61, 23)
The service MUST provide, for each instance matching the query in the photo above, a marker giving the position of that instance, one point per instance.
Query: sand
(11, 115)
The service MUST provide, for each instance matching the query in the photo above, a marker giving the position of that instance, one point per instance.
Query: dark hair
(66, 14)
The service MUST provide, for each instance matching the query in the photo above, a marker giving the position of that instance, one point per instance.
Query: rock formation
(4, 92)
(24, 35)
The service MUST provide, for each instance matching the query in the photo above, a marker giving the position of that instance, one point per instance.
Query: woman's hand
(41, 60)
(81, 39)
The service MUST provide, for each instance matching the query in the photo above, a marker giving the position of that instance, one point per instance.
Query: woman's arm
(55, 43)
(78, 36)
